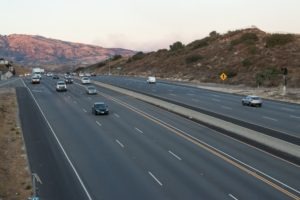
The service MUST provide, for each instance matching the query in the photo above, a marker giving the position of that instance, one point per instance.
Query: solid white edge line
(216, 149)
(294, 116)
(120, 143)
(138, 130)
(269, 118)
(60, 145)
(99, 124)
(156, 179)
(173, 154)
(233, 197)
(226, 107)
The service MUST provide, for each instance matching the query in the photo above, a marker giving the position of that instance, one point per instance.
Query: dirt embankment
(15, 181)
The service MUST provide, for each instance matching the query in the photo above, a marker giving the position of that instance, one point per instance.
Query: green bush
(193, 58)
(200, 43)
(278, 39)
(176, 46)
(116, 57)
(246, 62)
(214, 34)
(246, 38)
(137, 56)
(252, 50)
(268, 74)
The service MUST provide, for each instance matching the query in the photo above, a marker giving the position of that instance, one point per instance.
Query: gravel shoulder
(15, 178)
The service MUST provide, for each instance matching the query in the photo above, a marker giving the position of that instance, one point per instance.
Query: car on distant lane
(35, 79)
(91, 90)
(85, 80)
(100, 108)
(252, 100)
(68, 80)
(55, 76)
(61, 86)
(151, 80)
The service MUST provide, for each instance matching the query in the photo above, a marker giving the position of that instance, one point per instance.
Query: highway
(140, 151)
(276, 116)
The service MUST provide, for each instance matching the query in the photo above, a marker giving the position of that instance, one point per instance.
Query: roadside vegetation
(15, 182)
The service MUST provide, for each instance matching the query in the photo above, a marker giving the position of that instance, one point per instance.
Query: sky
(144, 25)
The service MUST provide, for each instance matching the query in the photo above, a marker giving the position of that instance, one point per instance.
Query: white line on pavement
(118, 116)
(269, 118)
(139, 130)
(233, 197)
(156, 179)
(173, 154)
(294, 116)
(60, 145)
(120, 143)
(287, 109)
(99, 124)
(226, 107)
(84, 110)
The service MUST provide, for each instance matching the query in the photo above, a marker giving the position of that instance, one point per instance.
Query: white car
(252, 100)
(61, 86)
(85, 80)
(151, 79)
(35, 79)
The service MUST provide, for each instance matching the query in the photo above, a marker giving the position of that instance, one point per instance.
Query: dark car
(68, 80)
(55, 76)
(100, 108)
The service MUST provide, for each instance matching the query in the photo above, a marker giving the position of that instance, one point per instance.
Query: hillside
(29, 50)
(250, 56)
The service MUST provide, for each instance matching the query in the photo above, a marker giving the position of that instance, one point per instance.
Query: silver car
(91, 90)
(252, 100)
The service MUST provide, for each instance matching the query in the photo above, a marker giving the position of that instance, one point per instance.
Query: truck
(37, 71)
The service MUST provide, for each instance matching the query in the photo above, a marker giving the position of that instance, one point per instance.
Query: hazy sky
(144, 24)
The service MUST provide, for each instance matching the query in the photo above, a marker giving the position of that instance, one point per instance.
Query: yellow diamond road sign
(223, 76)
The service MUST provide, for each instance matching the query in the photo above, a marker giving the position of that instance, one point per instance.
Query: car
(55, 76)
(151, 80)
(35, 79)
(91, 90)
(100, 108)
(252, 100)
(81, 74)
(68, 80)
(49, 74)
(61, 86)
(85, 80)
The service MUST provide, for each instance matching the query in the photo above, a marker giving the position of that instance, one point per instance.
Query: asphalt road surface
(140, 151)
(274, 115)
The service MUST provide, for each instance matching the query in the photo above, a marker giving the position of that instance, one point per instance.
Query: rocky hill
(249, 56)
(29, 50)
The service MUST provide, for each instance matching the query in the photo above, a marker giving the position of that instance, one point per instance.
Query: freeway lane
(127, 155)
(57, 179)
(279, 116)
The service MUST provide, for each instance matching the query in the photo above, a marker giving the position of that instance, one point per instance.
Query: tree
(177, 45)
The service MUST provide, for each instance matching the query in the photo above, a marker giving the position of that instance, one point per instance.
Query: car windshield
(91, 88)
(100, 106)
(255, 98)
(60, 83)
